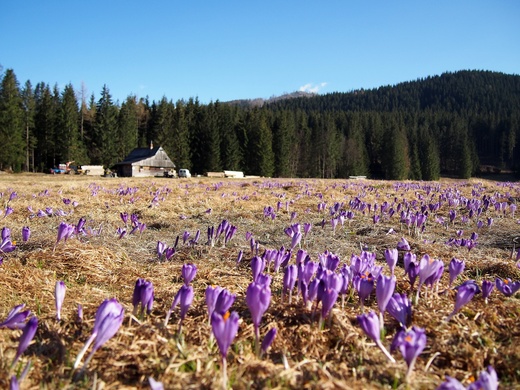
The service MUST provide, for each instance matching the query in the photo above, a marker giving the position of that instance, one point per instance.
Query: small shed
(145, 162)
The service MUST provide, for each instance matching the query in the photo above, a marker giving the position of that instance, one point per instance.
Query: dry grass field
(100, 264)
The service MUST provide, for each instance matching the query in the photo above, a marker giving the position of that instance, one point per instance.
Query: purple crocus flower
(64, 232)
(224, 301)
(188, 273)
(5, 233)
(258, 298)
(78, 229)
(268, 340)
(411, 343)
(144, 295)
(364, 284)
(306, 229)
(400, 308)
(328, 299)
(240, 256)
(296, 238)
(370, 325)
(257, 266)
(391, 256)
(487, 288)
(289, 280)
(211, 294)
(29, 330)
(428, 267)
(403, 245)
(506, 286)
(465, 293)
(15, 318)
(26, 233)
(184, 298)
(59, 296)
(225, 328)
(384, 290)
(7, 246)
(161, 248)
(8, 211)
(455, 268)
(108, 319)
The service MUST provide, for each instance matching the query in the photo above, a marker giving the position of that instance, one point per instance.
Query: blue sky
(243, 49)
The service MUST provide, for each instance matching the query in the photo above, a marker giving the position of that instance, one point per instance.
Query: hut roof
(148, 157)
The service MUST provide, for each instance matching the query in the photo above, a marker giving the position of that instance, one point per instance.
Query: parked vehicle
(184, 173)
(170, 173)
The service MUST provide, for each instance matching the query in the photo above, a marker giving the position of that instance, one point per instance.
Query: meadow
(309, 258)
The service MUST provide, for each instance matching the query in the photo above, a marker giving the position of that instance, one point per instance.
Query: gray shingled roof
(155, 157)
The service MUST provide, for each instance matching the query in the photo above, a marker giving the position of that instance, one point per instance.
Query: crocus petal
(225, 328)
(59, 296)
(25, 339)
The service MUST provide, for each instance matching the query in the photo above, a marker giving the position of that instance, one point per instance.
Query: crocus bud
(268, 339)
(16, 318)
(59, 296)
(28, 333)
(225, 328)
(188, 273)
(26, 233)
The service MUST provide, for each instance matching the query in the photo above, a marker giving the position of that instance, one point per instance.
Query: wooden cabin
(145, 162)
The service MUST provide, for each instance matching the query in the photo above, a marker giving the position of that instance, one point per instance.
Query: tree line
(452, 124)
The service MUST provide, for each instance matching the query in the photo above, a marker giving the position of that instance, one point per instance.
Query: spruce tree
(181, 138)
(11, 123)
(106, 128)
(45, 128)
(29, 108)
(127, 127)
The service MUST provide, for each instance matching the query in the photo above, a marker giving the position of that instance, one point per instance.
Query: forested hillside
(453, 124)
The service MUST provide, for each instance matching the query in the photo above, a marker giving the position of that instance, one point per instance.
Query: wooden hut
(145, 162)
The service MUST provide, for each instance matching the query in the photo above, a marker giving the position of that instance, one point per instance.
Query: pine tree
(283, 133)
(260, 156)
(90, 139)
(430, 164)
(70, 144)
(212, 138)
(11, 123)
(45, 128)
(127, 127)
(29, 107)
(106, 128)
(181, 137)
(231, 155)
(396, 163)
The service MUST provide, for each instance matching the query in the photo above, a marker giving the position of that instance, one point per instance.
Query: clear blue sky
(224, 50)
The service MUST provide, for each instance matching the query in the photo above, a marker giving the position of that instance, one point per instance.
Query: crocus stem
(167, 317)
(257, 341)
(84, 349)
(385, 351)
(409, 371)
(224, 373)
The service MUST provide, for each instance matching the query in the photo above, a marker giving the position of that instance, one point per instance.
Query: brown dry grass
(302, 356)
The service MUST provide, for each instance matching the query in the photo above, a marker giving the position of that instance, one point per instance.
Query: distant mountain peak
(259, 102)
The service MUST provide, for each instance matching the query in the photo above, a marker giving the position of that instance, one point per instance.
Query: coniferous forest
(457, 124)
